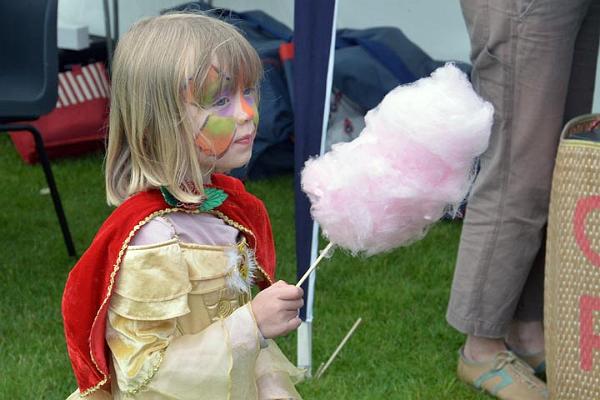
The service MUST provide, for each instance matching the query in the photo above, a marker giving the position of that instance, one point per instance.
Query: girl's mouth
(245, 140)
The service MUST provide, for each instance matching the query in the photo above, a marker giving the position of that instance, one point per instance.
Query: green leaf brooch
(213, 198)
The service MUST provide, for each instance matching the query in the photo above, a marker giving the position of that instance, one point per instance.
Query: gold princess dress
(180, 325)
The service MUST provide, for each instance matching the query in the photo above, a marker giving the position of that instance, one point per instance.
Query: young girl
(159, 306)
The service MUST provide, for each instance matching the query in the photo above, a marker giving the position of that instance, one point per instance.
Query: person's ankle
(481, 349)
(526, 337)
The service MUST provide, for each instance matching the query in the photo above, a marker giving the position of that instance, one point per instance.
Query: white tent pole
(304, 350)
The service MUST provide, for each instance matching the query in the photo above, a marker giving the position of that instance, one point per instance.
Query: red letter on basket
(588, 340)
(583, 208)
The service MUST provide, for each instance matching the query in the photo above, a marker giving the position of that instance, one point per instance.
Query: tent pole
(304, 338)
(305, 329)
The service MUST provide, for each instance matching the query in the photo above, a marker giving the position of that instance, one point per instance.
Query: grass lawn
(403, 349)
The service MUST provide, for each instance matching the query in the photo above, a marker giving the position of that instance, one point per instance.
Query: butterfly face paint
(218, 131)
(213, 86)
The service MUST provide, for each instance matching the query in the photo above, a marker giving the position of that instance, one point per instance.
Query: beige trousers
(535, 60)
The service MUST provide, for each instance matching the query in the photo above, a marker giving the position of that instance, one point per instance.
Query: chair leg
(43, 157)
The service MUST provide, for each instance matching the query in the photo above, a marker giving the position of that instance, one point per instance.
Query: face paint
(218, 131)
(213, 84)
(249, 107)
(256, 117)
(216, 135)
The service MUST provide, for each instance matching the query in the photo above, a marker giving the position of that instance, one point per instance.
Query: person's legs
(583, 73)
(521, 55)
(526, 332)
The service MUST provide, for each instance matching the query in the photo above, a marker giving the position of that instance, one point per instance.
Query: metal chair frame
(43, 157)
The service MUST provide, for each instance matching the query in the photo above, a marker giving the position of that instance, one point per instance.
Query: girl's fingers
(289, 315)
(290, 292)
(294, 323)
(293, 305)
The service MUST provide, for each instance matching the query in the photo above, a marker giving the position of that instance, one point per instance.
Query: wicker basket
(572, 286)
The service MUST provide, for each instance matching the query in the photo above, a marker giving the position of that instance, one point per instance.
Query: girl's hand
(276, 309)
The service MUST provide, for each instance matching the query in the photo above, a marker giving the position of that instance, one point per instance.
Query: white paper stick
(318, 373)
(321, 371)
(324, 253)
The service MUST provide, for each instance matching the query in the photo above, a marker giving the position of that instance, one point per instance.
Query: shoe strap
(521, 368)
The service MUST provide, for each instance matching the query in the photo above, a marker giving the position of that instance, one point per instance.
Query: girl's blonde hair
(159, 63)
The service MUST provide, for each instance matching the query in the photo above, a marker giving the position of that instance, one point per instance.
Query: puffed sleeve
(151, 358)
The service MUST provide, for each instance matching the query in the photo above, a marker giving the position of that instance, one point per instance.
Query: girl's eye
(249, 92)
(221, 102)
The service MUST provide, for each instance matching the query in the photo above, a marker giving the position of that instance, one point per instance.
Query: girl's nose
(244, 111)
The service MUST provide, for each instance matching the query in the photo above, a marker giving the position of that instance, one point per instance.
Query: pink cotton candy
(412, 163)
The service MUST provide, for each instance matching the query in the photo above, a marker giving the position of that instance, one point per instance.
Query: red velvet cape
(90, 282)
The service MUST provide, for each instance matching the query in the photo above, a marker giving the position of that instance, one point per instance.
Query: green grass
(403, 349)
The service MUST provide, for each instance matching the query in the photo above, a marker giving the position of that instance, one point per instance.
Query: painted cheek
(226, 112)
(249, 108)
(216, 135)
(255, 118)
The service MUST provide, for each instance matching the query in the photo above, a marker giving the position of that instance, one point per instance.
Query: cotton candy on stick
(413, 162)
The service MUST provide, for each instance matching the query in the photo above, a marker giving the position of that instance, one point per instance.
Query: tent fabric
(369, 63)
(313, 21)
